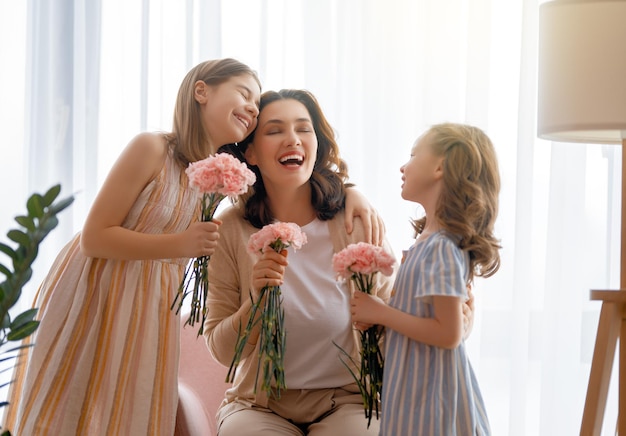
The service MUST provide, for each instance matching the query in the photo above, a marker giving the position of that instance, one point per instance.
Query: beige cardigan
(230, 271)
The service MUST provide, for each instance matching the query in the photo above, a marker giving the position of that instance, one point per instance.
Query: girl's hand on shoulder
(200, 238)
(358, 206)
(269, 270)
(365, 309)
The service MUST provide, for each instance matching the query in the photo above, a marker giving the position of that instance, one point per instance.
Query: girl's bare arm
(444, 330)
(103, 235)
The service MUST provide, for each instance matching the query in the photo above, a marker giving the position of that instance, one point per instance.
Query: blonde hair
(188, 138)
(468, 204)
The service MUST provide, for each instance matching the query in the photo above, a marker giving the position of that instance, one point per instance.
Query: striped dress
(105, 359)
(429, 390)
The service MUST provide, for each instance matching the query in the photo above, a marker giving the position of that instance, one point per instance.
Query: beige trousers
(319, 412)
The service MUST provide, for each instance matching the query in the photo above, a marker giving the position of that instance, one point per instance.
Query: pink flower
(217, 177)
(272, 337)
(360, 262)
(221, 173)
(276, 237)
(362, 258)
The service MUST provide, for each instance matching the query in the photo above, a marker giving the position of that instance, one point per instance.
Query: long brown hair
(468, 205)
(330, 172)
(188, 138)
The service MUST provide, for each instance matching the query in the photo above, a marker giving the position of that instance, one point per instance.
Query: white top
(311, 292)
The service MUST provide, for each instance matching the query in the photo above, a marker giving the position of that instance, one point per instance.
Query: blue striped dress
(429, 390)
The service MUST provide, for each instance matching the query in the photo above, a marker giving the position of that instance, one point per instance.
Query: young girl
(300, 179)
(105, 358)
(429, 387)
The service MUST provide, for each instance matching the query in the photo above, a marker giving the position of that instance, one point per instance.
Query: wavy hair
(188, 139)
(468, 204)
(330, 172)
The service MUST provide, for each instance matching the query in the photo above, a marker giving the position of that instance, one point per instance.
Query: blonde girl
(429, 386)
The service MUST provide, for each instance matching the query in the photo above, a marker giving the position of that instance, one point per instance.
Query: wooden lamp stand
(611, 327)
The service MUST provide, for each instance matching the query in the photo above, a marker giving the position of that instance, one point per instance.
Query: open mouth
(291, 159)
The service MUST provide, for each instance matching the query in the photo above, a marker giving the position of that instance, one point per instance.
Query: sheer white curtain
(81, 78)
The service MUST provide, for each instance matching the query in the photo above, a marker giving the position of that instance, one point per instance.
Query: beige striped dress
(105, 359)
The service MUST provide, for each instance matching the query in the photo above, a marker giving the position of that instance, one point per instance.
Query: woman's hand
(269, 270)
(358, 206)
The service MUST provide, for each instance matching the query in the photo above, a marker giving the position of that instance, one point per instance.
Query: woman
(300, 179)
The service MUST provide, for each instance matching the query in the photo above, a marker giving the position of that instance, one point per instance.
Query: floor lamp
(582, 98)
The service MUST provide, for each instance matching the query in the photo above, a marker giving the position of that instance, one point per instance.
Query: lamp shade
(582, 71)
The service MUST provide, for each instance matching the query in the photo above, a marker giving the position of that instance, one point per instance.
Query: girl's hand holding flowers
(364, 309)
(200, 238)
(216, 177)
(360, 263)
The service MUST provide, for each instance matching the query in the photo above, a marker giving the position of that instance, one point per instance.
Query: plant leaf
(26, 222)
(23, 273)
(4, 270)
(23, 318)
(51, 195)
(19, 237)
(6, 322)
(60, 205)
(23, 331)
(49, 224)
(19, 347)
(34, 206)
(7, 250)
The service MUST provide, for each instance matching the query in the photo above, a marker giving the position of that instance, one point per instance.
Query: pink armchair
(201, 385)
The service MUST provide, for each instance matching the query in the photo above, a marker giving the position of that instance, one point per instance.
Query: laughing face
(285, 145)
(230, 109)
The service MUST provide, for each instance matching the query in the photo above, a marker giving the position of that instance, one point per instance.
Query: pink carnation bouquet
(360, 262)
(277, 237)
(216, 177)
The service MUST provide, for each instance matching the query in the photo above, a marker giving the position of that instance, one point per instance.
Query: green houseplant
(39, 221)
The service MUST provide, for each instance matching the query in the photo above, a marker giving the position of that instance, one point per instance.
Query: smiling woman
(300, 183)
(287, 123)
